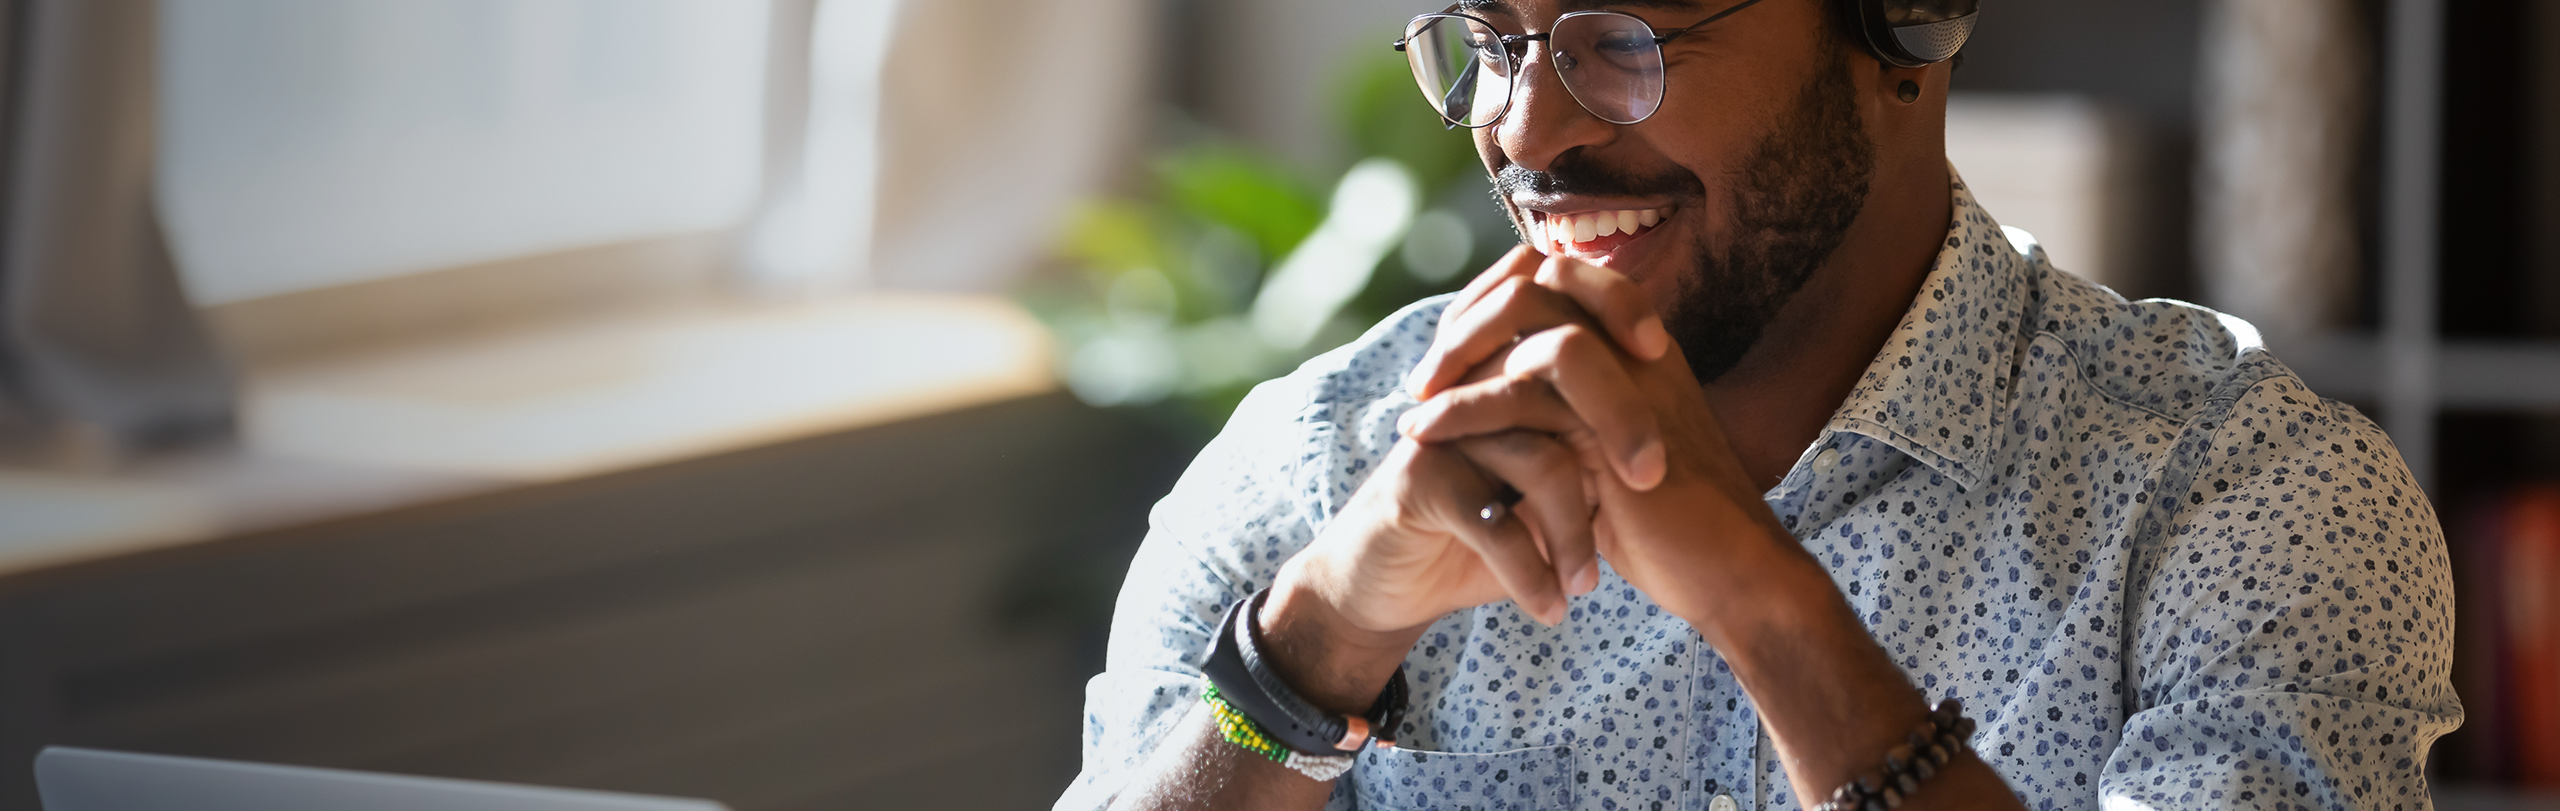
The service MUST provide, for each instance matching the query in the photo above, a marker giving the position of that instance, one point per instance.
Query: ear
(1889, 85)
(1912, 86)
(1910, 105)
(1895, 91)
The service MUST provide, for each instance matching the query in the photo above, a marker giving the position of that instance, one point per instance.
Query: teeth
(1564, 230)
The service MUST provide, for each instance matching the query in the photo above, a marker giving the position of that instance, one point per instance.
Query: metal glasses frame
(1519, 43)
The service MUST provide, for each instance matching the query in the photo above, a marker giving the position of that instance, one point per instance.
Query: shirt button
(1826, 460)
(1722, 802)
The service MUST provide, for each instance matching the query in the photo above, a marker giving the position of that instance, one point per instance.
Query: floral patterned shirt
(2153, 565)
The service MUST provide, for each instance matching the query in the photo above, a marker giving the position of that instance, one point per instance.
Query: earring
(1910, 91)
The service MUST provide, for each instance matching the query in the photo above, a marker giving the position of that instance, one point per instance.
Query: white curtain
(100, 353)
(944, 139)
(312, 143)
(813, 236)
(2282, 100)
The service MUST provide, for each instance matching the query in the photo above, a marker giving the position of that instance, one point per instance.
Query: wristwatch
(1237, 668)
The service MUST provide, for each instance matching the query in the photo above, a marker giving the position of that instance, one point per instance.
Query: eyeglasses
(1611, 62)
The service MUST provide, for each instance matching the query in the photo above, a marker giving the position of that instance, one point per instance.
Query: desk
(810, 618)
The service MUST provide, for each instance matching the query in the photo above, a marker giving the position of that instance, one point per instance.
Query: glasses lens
(1461, 66)
(1611, 64)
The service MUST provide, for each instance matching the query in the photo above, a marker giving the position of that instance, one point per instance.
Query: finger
(1621, 308)
(1491, 369)
(1519, 261)
(1564, 381)
(1487, 369)
(1612, 299)
(1590, 374)
(1504, 543)
(1514, 307)
(1495, 403)
(1555, 503)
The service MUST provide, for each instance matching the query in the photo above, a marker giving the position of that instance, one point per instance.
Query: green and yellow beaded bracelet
(1240, 730)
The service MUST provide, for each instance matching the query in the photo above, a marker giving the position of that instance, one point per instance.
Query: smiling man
(1770, 471)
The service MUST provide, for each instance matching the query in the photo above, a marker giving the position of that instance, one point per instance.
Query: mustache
(1575, 172)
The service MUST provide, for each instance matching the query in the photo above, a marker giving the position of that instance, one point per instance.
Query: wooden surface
(893, 616)
(386, 427)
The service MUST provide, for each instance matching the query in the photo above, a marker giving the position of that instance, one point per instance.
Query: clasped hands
(1555, 380)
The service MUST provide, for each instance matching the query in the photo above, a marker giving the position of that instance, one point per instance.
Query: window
(313, 143)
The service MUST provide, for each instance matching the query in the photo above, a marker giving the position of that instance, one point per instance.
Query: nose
(1545, 120)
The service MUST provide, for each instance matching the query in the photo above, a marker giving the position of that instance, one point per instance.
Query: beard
(1799, 190)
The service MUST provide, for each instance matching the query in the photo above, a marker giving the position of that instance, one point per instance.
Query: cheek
(1709, 146)
(1712, 128)
(1487, 149)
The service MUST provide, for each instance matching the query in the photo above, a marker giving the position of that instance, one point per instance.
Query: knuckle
(1489, 369)
(1539, 349)
(1516, 388)
(1577, 338)
(1555, 270)
(1491, 274)
(1582, 277)
(1468, 404)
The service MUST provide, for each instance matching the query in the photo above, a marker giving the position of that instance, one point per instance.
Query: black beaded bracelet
(1930, 747)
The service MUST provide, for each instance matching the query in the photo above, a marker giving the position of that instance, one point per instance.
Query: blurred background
(760, 399)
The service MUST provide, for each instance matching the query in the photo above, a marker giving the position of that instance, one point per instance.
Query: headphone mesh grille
(1932, 42)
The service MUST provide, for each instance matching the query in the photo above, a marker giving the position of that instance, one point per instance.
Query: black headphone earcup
(1932, 42)
(1912, 33)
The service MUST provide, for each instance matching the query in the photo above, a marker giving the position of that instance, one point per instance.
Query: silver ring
(1503, 497)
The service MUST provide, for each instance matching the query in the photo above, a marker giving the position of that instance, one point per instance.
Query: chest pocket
(1536, 779)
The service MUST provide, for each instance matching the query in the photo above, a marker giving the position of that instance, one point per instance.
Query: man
(1765, 439)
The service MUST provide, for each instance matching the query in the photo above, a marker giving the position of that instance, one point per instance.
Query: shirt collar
(1938, 386)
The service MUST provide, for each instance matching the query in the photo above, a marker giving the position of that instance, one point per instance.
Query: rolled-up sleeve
(2293, 619)
(1221, 533)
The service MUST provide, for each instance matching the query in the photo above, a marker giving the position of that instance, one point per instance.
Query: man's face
(1755, 166)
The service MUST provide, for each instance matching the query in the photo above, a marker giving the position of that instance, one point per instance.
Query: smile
(1591, 234)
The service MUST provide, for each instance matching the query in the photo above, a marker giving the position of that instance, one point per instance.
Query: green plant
(1233, 266)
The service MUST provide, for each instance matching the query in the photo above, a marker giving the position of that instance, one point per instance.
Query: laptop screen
(71, 779)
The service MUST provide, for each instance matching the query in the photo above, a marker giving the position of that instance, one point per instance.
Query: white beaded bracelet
(1321, 767)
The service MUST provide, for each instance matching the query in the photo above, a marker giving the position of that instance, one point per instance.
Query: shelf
(2468, 375)
(2472, 797)
(375, 431)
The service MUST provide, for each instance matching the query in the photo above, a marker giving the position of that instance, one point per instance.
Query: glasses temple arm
(1462, 93)
(1710, 20)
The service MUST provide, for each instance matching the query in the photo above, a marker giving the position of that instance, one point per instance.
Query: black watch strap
(1236, 666)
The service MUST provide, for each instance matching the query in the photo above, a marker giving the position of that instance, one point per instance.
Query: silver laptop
(97, 780)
